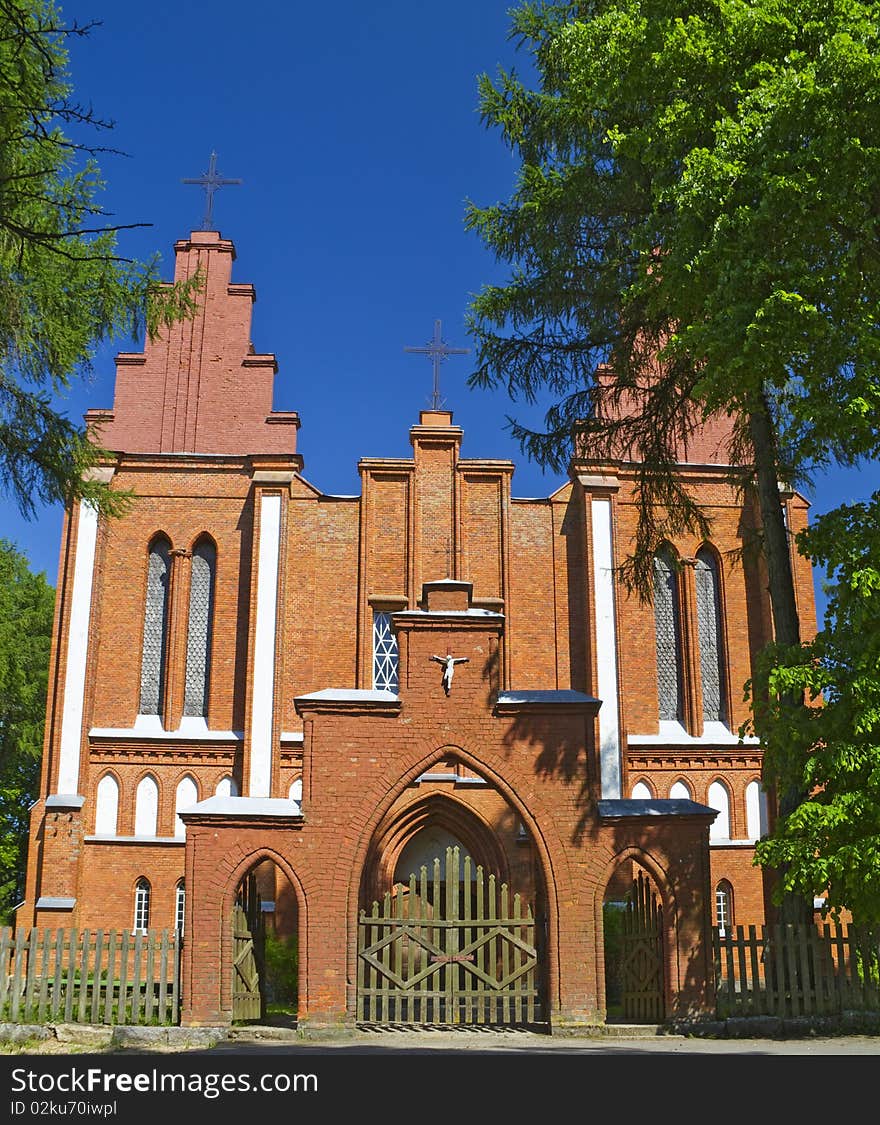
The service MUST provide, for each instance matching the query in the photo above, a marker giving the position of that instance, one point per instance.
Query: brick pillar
(178, 624)
(693, 683)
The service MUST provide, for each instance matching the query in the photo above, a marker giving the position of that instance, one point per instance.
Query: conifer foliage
(26, 610)
(696, 218)
(64, 289)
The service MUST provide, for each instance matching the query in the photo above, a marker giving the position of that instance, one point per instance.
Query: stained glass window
(668, 634)
(385, 655)
(155, 628)
(709, 634)
(198, 641)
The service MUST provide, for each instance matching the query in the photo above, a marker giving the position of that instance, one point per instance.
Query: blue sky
(355, 129)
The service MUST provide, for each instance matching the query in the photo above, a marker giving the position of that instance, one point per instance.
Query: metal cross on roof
(210, 181)
(437, 350)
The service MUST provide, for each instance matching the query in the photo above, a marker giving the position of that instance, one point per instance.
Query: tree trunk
(786, 626)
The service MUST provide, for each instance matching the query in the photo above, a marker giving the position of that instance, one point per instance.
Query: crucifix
(210, 181)
(449, 663)
(437, 350)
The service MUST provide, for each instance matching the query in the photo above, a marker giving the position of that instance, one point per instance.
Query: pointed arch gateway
(450, 923)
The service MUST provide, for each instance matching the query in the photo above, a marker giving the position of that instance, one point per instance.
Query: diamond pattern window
(709, 635)
(155, 628)
(198, 641)
(385, 654)
(668, 635)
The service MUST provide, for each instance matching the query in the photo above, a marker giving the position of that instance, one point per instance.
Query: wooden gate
(452, 949)
(247, 954)
(641, 967)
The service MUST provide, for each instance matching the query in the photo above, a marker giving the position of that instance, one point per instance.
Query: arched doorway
(448, 931)
(633, 944)
(265, 955)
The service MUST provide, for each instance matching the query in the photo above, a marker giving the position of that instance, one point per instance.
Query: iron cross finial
(437, 350)
(210, 181)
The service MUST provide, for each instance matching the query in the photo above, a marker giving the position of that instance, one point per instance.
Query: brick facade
(529, 759)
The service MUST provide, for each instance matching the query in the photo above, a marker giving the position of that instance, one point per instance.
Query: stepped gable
(200, 387)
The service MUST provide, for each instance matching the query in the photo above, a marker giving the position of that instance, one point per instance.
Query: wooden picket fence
(789, 970)
(89, 976)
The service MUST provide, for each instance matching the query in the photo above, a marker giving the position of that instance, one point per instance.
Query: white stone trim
(671, 732)
(150, 726)
(163, 840)
(263, 699)
(606, 647)
(77, 649)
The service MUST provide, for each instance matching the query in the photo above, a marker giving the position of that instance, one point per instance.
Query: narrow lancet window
(155, 628)
(668, 635)
(709, 633)
(385, 654)
(198, 641)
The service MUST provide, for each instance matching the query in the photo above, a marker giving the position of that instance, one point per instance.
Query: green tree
(695, 216)
(831, 842)
(26, 613)
(64, 290)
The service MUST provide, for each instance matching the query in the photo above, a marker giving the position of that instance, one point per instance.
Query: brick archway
(433, 811)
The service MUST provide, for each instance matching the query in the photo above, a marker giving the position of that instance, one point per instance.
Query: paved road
(528, 1043)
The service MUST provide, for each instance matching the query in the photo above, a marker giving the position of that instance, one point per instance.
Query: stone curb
(755, 1027)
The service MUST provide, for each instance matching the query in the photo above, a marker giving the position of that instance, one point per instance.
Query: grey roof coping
(632, 806)
(65, 801)
(353, 695)
(245, 806)
(562, 696)
(420, 613)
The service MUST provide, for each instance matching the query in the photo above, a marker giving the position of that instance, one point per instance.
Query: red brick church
(255, 684)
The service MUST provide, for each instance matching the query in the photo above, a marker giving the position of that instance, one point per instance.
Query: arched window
(146, 807)
(724, 907)
(226, 787)
(641, 792)
(179, 906)
(296, 792)
(186, 796)
(709, 632)
(198, 638)
(680, 791)
(385, 653)
(756, 811)
(155, 628)
(106, 806)
(719, 799)
(142, 906)
(667, 628)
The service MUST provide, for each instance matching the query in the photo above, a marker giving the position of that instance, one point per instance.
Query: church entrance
(449, 945)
